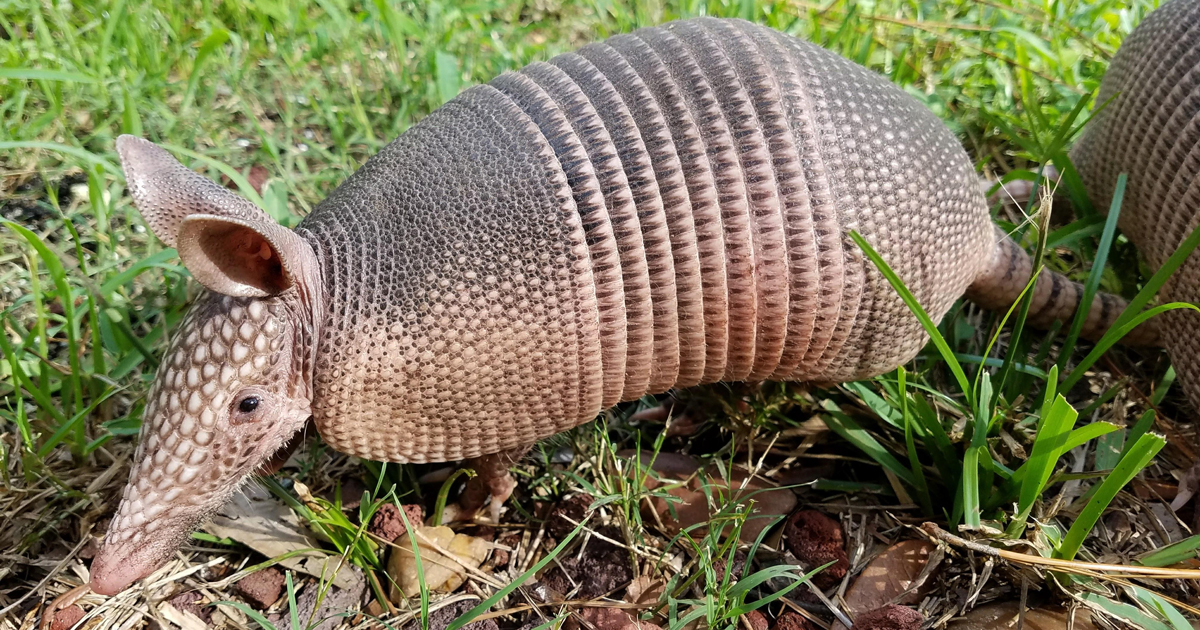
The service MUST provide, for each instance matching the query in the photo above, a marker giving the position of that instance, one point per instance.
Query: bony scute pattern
(669, 207)
(673, 207)
(192, 440)
(1149, 128)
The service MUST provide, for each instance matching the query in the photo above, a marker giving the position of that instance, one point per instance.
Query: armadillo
(1147, 125)
(666, 208)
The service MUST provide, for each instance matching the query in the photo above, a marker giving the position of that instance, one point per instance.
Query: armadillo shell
(666, 208)
(1148, 126)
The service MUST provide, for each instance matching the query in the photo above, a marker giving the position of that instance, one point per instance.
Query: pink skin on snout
(235, 384)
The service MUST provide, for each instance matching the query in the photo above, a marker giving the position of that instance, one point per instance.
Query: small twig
(1071, 566)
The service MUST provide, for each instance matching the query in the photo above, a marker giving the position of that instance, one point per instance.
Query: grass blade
(1114, 335)
(1174, 553)
(914, 461)
(483, 606)
(38, 74)
(911, 301)
(1134, 461)
(1093, 280)
(850, 431)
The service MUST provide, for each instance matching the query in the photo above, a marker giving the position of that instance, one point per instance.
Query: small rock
(757, 620)
(261, 588)
(815, 539)
(1004, 615)
(739, 566)
(792, 620)
(890, 617)
(887, 576)
(66, 618)
(190, 601)
(615, 619)
(442, 573)
(387, 524)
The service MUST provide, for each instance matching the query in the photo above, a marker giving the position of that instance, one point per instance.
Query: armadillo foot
(492, 479)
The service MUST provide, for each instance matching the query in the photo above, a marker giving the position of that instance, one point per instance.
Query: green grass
(308, 90)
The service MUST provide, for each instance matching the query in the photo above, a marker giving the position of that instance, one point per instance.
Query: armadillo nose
(115, 568)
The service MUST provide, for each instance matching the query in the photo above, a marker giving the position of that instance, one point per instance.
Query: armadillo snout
(226, 398)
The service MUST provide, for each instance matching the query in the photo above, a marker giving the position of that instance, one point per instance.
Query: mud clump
(600, 569)
(387, 523)
(261, 588)
(792, 620)
(815, 539)
(66, 618)
(559, 522)
(190, 601)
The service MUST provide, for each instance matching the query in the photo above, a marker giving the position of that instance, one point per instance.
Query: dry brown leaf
(888, 575)
(1004, 615)
(693, 508)
(256, 519)
(442, 573)
(615, 619)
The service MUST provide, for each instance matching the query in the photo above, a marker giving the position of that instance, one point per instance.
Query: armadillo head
(235, 385)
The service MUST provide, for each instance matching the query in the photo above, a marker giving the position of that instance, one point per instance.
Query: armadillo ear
(243, 258)
(167, 192)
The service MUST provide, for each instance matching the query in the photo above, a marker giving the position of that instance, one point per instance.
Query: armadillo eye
(248, 404)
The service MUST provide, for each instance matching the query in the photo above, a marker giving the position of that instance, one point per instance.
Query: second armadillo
(667, 208)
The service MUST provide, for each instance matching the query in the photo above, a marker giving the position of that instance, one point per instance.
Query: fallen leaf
(1003, 616)
(644, 590)
(890, 617)
(615, 619)
(442, 573)
(256, 519)
(692, 506)
(887, 576)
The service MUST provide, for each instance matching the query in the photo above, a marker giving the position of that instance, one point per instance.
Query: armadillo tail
(1055, 298)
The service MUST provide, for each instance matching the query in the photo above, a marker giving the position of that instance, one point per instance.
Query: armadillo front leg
(492, 479)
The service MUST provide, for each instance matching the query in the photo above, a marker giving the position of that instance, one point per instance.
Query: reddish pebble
(757, 620)
(190, 601)
(792, 620)
(890, 617)
(66, 618)
(387, 523)
(261, 588)
(815, 539)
